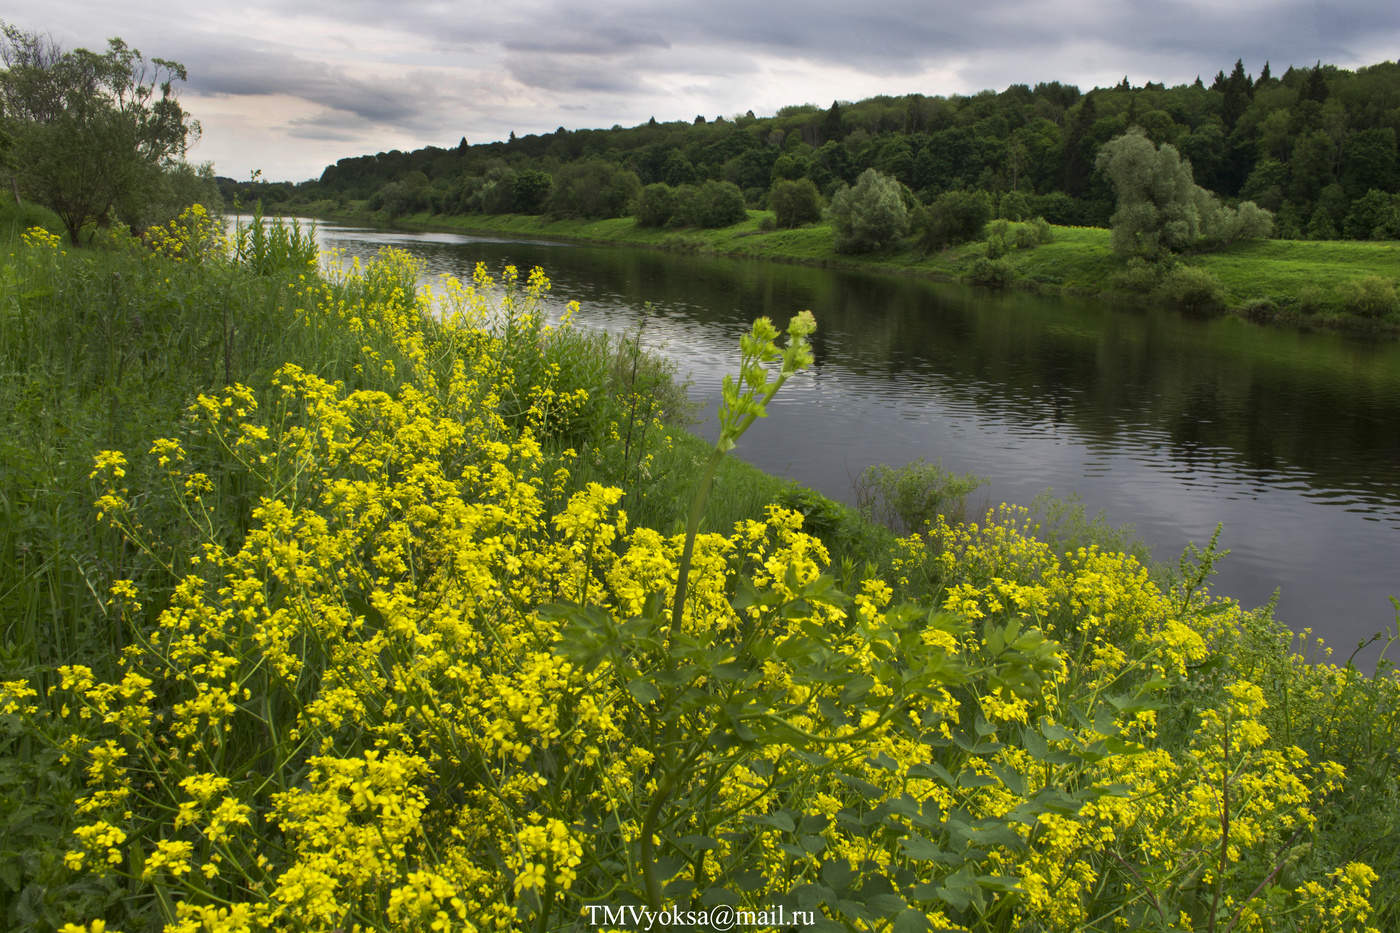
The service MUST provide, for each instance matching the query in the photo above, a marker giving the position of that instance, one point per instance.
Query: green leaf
(779, 819)
(920, 849)
(887, 904)
(933, 771)
(644, 691)
(837, 874)
(1014, 780)
(911, 921)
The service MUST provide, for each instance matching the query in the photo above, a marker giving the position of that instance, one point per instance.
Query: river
(1161, 421)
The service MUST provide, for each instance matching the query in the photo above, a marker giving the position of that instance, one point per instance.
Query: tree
(593, 188)
(530, 191)
(869, 215)
(1161, 208)
(795, 202)
(954, 217)
(91, 131)
(656, 205)
(713, 204)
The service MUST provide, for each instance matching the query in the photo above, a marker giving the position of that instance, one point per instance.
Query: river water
(1167, 423)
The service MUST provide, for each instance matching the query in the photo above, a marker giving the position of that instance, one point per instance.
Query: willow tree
(868, 215)
(1160, 206)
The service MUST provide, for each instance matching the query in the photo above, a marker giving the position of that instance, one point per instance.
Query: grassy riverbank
(1330, 284)
(326, 608)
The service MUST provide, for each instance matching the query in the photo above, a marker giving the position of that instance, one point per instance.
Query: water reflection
(1291, 440)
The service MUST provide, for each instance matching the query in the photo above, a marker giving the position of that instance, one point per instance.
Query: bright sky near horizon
(291, 89)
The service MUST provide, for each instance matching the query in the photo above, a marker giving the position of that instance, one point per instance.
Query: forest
(1315, 146)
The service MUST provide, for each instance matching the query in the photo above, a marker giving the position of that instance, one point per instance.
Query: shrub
(1313, 299)
(656, 205)
(1043, 233)
(1139, 275)
(907, 499)
(1060, 208)
(767, 223)
(869, 215)
(1373, 216)
(795, 202)
(1013, 206)
(530, 191)
(1025, 237)
(1372, 296)
(713, 204)
(1191, 288)
(992, 272)
(953, 217)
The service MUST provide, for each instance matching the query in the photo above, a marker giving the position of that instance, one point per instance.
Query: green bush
(992, 272)
(1139, 275)
(1373, 216)
(795, 203)
(954, 217)
(1191, 288)
(17, 218)
(530, 191)
(656, 205)
(1372, 297)
(907, 499)
(713, 204)
(1013, 206)
(1314, 299)
(592, 189)
(869, 215)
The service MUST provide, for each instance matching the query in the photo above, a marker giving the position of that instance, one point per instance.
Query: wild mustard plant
(429, 681)
(743, 401)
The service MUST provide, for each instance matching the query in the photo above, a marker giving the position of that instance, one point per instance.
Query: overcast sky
(290, 88)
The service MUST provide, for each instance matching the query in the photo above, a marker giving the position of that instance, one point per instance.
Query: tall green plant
(744, 400)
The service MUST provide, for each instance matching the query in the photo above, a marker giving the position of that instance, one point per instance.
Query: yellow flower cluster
(434, 686)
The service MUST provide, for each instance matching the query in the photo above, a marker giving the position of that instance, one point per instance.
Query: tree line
(1315, 146)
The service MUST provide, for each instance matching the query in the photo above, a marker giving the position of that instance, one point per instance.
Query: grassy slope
(1078, 261)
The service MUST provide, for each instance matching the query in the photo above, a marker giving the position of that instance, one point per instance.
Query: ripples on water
(1165, 423)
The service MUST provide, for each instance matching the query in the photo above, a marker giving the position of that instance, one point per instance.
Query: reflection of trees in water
(1271, 400)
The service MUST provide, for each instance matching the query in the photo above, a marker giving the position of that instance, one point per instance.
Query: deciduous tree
(1161, 208)
(869, 215)
(91, 131)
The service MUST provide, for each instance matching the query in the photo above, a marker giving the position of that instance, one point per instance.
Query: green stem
(697, 509)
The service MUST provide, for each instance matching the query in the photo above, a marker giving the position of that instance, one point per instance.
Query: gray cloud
(367, 71)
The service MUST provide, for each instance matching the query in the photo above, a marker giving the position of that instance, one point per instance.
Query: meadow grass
(378, 627)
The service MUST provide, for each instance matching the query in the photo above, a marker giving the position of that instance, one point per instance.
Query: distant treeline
(1316, 146)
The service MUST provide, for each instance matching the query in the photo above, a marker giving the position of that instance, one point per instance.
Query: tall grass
(409, 611)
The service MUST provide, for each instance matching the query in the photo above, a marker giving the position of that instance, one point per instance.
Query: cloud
(331, 78)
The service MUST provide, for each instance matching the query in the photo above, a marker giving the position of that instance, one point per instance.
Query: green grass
(105, 349)
(16, 218)
(1295, 281)
(1280, 269)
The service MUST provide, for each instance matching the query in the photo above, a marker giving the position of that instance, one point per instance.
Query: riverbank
(1339, 285)
(344, 615)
